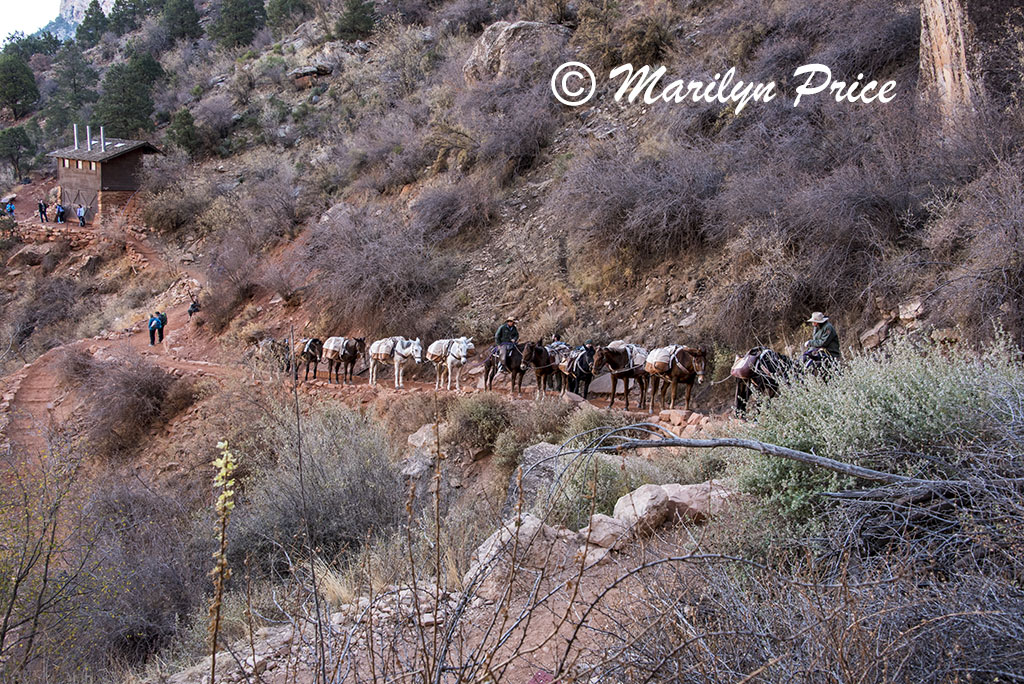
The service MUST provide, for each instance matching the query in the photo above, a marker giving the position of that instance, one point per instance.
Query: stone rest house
(100, 175)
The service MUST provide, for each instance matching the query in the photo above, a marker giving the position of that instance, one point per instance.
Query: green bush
(587, 419)
(534, 422)
(476, 421)
(593, 485)
(912, 410)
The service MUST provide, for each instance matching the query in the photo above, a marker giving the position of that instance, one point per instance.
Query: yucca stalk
(224, 479)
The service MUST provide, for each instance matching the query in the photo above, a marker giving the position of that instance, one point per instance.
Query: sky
(26, 15)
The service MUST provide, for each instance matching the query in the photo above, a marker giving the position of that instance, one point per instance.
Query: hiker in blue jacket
(156, 328)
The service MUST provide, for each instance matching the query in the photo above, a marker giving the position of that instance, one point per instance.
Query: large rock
(539, 463)
(505, 48)
(697, 502)
(874, 336)
(30, 255)
(537, 546)
(961, 47)
(605, 531)
(425, 438)
(645, 508)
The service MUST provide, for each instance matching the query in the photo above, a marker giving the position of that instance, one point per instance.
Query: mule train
(572, 369)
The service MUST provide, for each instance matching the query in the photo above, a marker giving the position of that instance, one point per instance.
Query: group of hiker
(60, 213)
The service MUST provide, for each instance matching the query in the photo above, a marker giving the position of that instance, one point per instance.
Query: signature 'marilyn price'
(574, 84)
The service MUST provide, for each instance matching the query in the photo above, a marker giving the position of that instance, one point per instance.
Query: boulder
(675, 416)
(911, 310)
(605, 531)
(697, 502)
(945, 335)
(536, 545)
(425, 438)
(30, 255)
(539, 463)
(875, 335)
(590, 555)
(645, 508)
(505, 47)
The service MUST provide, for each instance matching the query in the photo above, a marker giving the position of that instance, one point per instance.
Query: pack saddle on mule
(674, 364)
(396, 350)
(341, 354)
(308, 351)
(626, 362)
(761, 369)
(449, 356)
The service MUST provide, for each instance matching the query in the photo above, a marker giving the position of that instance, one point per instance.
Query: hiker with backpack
(156, 328)
(42, 212)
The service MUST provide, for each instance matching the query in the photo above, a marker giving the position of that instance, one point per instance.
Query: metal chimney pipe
(88, 138)
(103, 141)
(75, 126)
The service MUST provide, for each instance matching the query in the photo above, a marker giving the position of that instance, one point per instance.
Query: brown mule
(514, 367)
(344, 359)
(675, 364)
(622, 368)
(308, 351)
(543, 362)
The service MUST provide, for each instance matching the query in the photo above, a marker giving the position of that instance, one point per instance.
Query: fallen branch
(773, 450)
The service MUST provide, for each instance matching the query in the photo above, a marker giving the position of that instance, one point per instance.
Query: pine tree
(126, 104)
(75, 76)
(182, 132)
(17, 85)
(76, 80)
(93, 25)
(284, 13)
(15, 147)
(181, 20)
(239, 21)
(125, 16)
(356, 20)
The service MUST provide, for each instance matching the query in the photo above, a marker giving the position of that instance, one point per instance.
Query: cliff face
(957, 46)
(74, 10)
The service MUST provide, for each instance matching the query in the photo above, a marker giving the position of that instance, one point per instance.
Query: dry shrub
(407, 413)
(470, 15)
(176, 207)
(871, 624)
(983, 236)
(371, 269)
(454, 210)
(639, 208)
(388, 153)
(45, 319)
(150, 572)
(349, 493)
(476, 421)
(125, 398)
(513, 125)
(75, 366)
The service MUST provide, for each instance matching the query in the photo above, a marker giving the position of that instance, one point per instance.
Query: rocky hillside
(402, 167)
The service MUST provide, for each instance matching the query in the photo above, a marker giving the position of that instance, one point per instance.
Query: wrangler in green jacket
(507, 333)
(825, 337)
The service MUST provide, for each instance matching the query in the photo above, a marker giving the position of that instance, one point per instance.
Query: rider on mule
(824, 344)
(504, 339)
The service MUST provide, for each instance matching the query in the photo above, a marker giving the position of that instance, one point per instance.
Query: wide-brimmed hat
(817, 317)
(510, 319)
